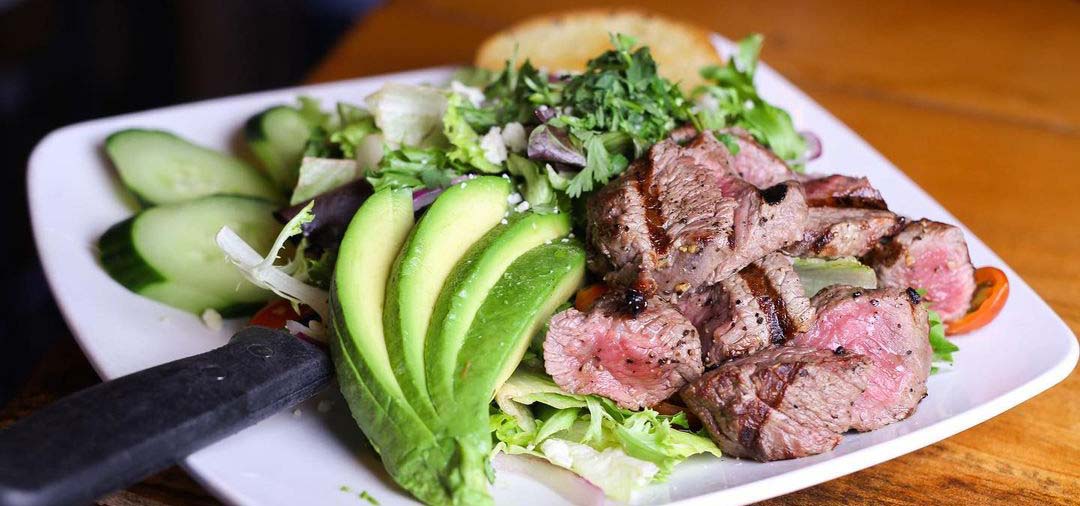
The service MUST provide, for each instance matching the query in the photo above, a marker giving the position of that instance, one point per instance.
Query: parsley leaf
(732, 101)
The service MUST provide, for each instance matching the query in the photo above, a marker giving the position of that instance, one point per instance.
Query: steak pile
(677, 219)
(696, 240)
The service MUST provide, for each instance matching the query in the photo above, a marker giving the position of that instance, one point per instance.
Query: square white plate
(307, 456)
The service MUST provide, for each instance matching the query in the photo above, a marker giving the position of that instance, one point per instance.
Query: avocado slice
(408, 448)
(278, 137)
(468, 284)
(515, 309)
(818, 273)
(519, 305)
(453, 223)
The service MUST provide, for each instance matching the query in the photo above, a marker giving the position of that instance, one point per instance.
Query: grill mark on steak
(774, 194)
(775, 383)
(848, 201)
(772, 304)
(654, 213)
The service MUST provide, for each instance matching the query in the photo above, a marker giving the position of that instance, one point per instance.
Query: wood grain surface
(979, 102)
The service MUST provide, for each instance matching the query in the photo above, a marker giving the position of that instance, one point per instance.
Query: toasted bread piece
(568, 40)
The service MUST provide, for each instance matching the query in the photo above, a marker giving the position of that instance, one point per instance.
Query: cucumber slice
(168, 253)
(277, 137)
(161, 168)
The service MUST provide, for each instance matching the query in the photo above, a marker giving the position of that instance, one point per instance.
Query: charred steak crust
(763, 305)
(890, 329)
(834, 232)
(843, 191)
(753, 162)
(780, 403)
(847, 217)
(633, 351)
(932, 256)
(676, 219)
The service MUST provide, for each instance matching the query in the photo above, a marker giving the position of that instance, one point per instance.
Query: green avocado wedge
(277, 137)
(406, 444)
(515, 309)
(453, 223)
(467, 286)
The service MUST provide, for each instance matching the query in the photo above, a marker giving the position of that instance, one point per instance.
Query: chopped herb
(367, 497)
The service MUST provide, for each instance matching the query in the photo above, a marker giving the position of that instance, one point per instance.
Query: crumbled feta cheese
(571, 235)
(513, 135)
(513, 198)
(212, 319)
(503, 221)
(493, 145)
(474, 95)
(706, 102)
(296, 413)
(522, 207)
(547, 241)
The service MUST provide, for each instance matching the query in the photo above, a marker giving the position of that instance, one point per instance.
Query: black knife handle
(114, 434)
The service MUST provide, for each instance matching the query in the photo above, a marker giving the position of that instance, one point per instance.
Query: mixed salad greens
(449, 242)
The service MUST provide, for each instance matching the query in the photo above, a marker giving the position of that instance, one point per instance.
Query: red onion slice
(562, 481)
(425, 196)
(813, 148)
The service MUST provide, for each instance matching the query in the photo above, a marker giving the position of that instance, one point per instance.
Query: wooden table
(978, 102)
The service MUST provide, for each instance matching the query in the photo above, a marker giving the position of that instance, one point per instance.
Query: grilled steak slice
(842, 191)
(781, 403)
(763, 304)
(633, 350)
(889, 327)
(834, 232)
(676, 220)
(753, 162)
(932, 256)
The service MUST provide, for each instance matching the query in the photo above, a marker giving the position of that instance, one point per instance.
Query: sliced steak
(932, 256)
(781, 403)
(888, 326)
(835, 232)
(752, 162)
(764, 304)
(847, 217)
(632, 350)
(842, 191)
(676, 219)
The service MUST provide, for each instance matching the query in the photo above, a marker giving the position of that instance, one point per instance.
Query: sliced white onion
(562, 481)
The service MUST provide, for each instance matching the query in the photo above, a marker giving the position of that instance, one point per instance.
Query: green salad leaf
(618, 449)
(732, 100)
(412, 168)
(464, 141)
(942, 347)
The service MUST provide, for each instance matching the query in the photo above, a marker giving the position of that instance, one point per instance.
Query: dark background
(66, 61)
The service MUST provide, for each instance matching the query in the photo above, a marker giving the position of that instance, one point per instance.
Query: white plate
(308, 456)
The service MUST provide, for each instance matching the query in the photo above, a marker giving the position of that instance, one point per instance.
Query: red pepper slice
(990, 294)
(274, 314)
(587, 296)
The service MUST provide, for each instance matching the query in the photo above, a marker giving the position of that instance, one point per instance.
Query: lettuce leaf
(409, 115)
(942, 347)
(464, 141)
(412, 168)
(617, 449)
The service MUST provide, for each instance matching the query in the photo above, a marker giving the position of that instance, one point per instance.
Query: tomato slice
(274, 314)
(990, 294)
(587, 296)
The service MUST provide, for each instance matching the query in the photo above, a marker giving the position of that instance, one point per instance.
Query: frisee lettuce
(617, 449)
(942, 347)
(413, 168)
(263, 272)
